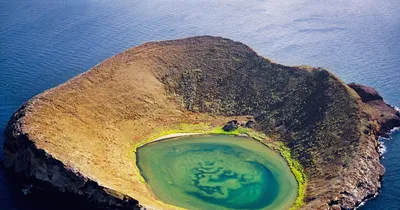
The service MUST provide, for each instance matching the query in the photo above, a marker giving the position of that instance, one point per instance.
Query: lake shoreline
(228, 140)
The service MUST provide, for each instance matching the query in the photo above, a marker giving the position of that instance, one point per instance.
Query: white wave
(381, 146)
(365, 201)
(395, 129)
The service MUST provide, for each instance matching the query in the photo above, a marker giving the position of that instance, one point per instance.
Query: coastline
(381, 148)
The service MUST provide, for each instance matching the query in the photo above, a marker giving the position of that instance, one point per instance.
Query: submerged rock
(77, 138)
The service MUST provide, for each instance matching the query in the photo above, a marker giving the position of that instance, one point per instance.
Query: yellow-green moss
(298, 172)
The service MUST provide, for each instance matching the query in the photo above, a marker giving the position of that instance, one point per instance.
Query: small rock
(231, 126)
(250, 124)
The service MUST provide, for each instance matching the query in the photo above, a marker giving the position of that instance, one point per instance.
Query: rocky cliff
(78, 137)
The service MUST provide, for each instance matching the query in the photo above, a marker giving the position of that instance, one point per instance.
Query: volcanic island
(257, 134)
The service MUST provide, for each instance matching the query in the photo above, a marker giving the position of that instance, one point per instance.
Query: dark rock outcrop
(384, 114)
(231, 126)
(250, 124)
(235, 124)
(366, 93)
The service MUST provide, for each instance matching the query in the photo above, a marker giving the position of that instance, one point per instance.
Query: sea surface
(43, 43)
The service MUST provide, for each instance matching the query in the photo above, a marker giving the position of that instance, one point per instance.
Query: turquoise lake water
(46, 42)
(217, 172)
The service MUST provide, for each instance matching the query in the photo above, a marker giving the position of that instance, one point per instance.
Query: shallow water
(217, 172)
(46, 42)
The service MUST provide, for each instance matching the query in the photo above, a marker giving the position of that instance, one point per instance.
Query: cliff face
(383, 115)
(379, 118)
(48, 174)
(78, 137)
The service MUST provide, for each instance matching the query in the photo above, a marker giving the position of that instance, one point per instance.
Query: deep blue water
(46, 42)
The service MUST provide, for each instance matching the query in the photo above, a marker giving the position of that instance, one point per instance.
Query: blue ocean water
(46, 42)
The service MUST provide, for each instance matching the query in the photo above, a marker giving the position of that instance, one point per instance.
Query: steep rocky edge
(383, 115)
(78, 137)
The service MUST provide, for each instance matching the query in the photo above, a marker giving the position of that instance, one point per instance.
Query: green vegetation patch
(297, 170)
